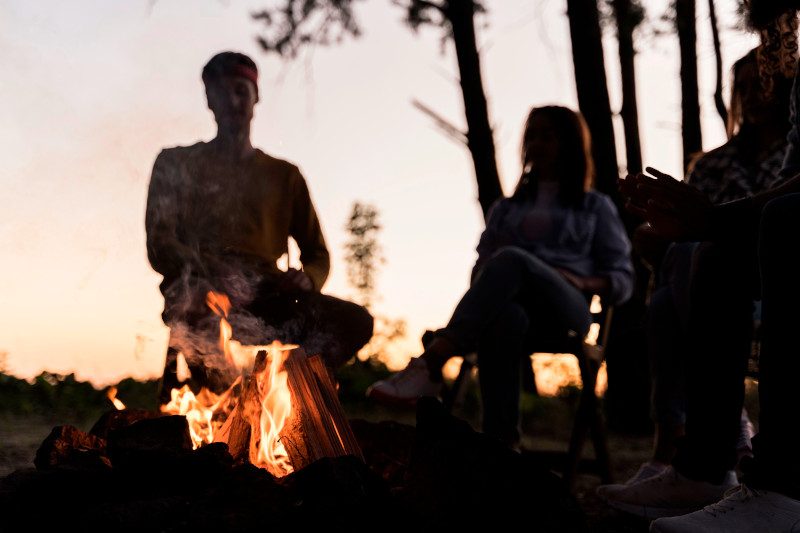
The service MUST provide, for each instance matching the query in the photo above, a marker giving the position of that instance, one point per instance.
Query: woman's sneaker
(404, 388)
(666, 494)
(647, 470)
(743, 510)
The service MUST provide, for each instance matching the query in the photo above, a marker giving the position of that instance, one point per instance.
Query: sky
(92, 91)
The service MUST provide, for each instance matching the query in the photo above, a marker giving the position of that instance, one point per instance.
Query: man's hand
(294, 280)
(674, 209)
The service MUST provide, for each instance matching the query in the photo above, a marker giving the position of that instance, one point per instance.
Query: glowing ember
(112, 395)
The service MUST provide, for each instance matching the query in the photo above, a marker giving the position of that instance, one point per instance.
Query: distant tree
(363, 253)
(296, 24)
(363, 256)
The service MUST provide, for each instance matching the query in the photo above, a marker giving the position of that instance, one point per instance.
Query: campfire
(281, 414)
(275, 450)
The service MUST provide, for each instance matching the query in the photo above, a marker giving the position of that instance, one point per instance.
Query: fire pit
(138, 471)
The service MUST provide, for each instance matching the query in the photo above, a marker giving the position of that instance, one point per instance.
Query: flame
(276, 404)
(112, 395)
(221, 304)
(205, 412)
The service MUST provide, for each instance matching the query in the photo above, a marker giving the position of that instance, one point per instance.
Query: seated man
(219, 216)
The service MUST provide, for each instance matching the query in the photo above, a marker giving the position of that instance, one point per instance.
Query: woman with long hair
(545, 251)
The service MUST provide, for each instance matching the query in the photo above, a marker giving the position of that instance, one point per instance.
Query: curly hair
(778, 53)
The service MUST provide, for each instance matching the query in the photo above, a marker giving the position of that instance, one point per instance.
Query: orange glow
(276, 403)
(112, 395)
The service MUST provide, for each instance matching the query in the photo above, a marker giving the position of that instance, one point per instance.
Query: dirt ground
(546, 428)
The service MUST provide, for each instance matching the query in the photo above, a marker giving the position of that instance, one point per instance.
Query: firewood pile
(136, 471)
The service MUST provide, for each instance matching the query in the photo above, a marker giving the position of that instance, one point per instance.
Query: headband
(245, 72)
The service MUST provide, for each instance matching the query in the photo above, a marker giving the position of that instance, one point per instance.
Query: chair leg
(588, 419)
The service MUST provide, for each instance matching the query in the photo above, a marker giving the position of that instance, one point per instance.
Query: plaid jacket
(724, 176)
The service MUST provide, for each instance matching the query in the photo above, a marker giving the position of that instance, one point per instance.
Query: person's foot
(404, 388)
(743, 510)
(647, 470)
(666, 494)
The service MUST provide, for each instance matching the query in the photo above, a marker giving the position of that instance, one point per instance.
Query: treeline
(58, 396)
(63, 397)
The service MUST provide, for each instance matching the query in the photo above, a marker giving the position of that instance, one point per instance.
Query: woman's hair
(776, 21)
(779, 93)
(762, 13)
(735, 112)
(574, 162)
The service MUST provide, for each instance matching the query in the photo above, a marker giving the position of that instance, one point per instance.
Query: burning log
(318, 427)
(314, 426)
(237, 432)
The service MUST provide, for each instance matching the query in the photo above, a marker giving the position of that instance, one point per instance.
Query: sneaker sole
(651, 513)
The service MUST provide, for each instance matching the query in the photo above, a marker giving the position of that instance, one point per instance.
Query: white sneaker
(666, 494)
(744, 510)
(647, 470)
(404, 388)
(746, 433)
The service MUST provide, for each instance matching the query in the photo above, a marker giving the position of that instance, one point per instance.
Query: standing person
(219, 216)
(749, 162)
(544, 252)
(748, 249)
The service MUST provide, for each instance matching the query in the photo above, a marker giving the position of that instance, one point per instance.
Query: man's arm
(167, 252)
(307, 232)
(682, 213)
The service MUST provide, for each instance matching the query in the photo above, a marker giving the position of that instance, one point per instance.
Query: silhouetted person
(747, 163)
(545, 251)
(748, 251)
(219, 216)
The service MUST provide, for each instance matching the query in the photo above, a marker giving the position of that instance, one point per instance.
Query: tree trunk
(718, 100)
(480, 140)
(629, 110)
(627, 398)
(592, 88)
(690, 105)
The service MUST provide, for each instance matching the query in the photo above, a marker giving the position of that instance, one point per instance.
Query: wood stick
(237, 430)
(331, 398)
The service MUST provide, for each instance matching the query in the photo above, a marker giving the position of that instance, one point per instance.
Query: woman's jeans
(727, 277)
(516, 302)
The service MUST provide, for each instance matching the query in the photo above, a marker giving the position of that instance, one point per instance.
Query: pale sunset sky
(92, 90)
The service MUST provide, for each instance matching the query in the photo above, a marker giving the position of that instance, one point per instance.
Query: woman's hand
(675, 210)
(294, 280)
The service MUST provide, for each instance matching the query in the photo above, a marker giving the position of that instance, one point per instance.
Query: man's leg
(769, 498)
(322, 325)
(776, 445)
(724, 285)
